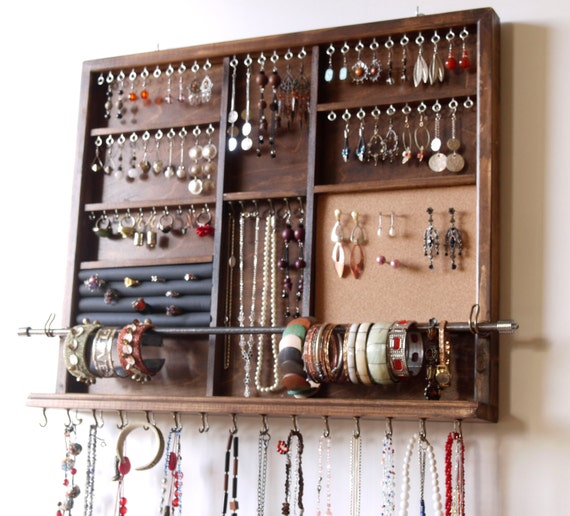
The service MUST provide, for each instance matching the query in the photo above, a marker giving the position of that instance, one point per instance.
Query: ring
(130, 282)
(140, 305)
(157, 279)
(172, 310)
(94, 283)
(172, 293)
(159, 442)
(111, 296)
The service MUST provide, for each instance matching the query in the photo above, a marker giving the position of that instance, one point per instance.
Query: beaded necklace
(325, 441)
(388, 472)
(90, 477)
(232, 449)
(171, 501)
(72, 450)
(285, 448)
(455, 473)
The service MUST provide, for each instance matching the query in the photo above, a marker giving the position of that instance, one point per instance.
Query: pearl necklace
(269, 291)
(424, 449)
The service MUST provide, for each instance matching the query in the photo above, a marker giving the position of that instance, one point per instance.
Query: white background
(516, 467)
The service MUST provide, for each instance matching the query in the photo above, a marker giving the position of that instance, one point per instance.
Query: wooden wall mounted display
(371, 125)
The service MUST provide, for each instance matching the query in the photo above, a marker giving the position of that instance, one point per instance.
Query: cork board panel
(412, 291)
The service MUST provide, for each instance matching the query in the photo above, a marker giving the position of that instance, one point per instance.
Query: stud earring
(453, 240)
(431, 239)
(379, 231)
(357, 238)
(392, 230)
(381, 260)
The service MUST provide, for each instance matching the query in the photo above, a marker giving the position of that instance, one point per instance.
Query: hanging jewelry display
(172, 480)
(375, 67)
(421, 69)
(247, 142)
(232, 451)
(464, 61)
(455, 472)
(425, 452)
(97, 164)
(406, 135)
(168, 97)
(345, 153)
(233, 114)
(391, 139)
(343, 72)
(388, 472)
(72, 450)
(436, 67)
(361, 147)
(422, 137)
(455, 161)
(437, 161)
(157, 163)
(181, 169)
(132, 172)
(261, 80)
(325, 445)
(144, 163)
(274, 81)
(329, 72)
(293, 467)
(450, 61)
(376, 146)
(357, 239)
(262, 449)
(359, 68)
(337, 237)
(404, 44)
(389, 44)
(355, 469)
(453, 240)
(268, 294)
(169, 171)
(431, 239)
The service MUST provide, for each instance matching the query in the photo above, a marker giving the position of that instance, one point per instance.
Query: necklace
(229, 289)
(250, 337)
(325, 441)
(268, 291)
(231, 449)
(425, 450)
(171, 501)
(389, 472)
(455, 474)
(355, 469)
(262, 447)
(285, 447)
(72, 450)
(243, 343)
(90, 478)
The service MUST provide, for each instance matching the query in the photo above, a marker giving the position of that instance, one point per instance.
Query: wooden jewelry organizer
(308, 171)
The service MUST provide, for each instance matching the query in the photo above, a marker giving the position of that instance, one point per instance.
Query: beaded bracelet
(129, 345)
(75, 350)
(376, 356)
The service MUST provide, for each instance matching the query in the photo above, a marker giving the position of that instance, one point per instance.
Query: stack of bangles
(311, 354)
(93, 351)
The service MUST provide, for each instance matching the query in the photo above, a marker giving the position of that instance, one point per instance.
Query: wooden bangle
(360, 353)
(376, 356)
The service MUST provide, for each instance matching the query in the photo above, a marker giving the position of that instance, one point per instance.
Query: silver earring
(431, 239)
(453, 240)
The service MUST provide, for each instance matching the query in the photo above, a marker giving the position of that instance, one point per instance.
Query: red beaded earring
(450, 62)
(464, 61)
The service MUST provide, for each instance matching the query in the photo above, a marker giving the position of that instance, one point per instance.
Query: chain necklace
(229, 289)
(325, 441)
(90, 478)
(389, 472)
(269, 291)
(262, 447)
(355, 470)
(243, 343)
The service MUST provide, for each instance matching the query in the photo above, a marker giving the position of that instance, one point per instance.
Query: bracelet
(376, 356)
(405, 350)
(349, 353)
(75, 350)
(158, 438)
(129, 345)
(442, 374)
(102, 364)
(360, 353)
(308, 355)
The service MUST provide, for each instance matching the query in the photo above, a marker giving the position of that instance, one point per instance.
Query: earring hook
(234, 428)
(264, 426)
(295, 427)
(97, 423)
(327, 430)
(177, 421)
(356, 433)
(124, 421)
(204, 427)
(44, 423)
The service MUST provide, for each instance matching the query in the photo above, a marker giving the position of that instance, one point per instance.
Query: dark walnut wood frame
(309, 166)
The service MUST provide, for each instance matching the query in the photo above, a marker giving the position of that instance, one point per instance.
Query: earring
(421, 70)
(375, 66)
(392, 230)
(450, 62)
(343, 72)
(404, 43)
(357, 238)
(359, 68)
(438, 160)
(431, 239)
(329, 72)
(337, 236)
(345, 153)
(381, 260)
(436, 68)
(376, 147)
(389, 44)
(420, 131)
(391, 138)
(379, 231)
(464, 61)
(455, 161)
(453, 240)
(361, 147)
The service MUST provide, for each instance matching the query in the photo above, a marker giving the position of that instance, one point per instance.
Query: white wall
(516, 467)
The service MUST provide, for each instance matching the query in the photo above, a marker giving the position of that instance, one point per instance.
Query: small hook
(234, 428)
(388, 427)
(78, 420)
(204, 427)
(295, 427)
(327, 430)
(177, 421)
(124, 421)
(356, 433)
(149, 413)
(97, 423)
(422, 432)
(264, 426)
(47, 327)
(457, 428)
(474, 319)
(44, 423)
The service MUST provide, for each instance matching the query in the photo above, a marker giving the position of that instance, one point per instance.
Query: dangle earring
(406, 135)
(450, 62)
(169, 171)
(437, 161)
(195, 153)
(144, 163)
(436, 68)
(329, 72)
(97, 164)
(274, 81)
(145, 95)
(453, 240)
(109, 164)
(375, 66)
(343, 72)
(181, 69)
(303, 95)
(209, 153)
(261, 80)
(404, 44)
(132, 172)
(247, 142)
(158, 99)
(455, 161)
(168, 97)
(337, 237)
(389, 45)
(392, 230)
(464, 61)
(194, 88)
(359, 68)
(357, 238)
(391, 139)
(361, 147)
(379, 230)
(287, 91)
(181, 169)
(108, 93)
(132, 94)
(431, 239)
(421, 69)
(376, 146)
(119, 173)
(119, 106)
(233, 114)
(422, 132)
(157, 163)
(345, 153)
(206, 85)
